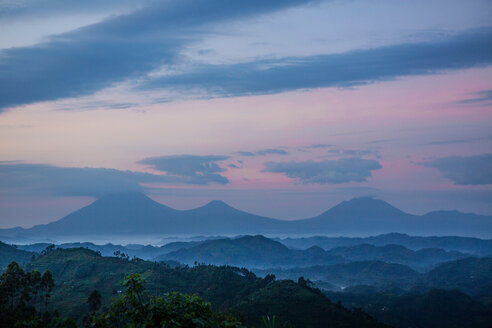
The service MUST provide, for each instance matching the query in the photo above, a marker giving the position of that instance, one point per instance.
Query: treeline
(209, 296)
(24, 297)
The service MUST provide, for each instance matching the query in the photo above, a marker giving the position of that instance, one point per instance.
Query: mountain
(119, 214)
(217, 217)
(360, 215)
(78, 271)
(397, 254)
(436, 308)
(367, 216)
(250, 251)
(259, 251)
(471, 275)
(145, 252)
(10, 253)
(134, 214)
(347, 274)
(475, 246)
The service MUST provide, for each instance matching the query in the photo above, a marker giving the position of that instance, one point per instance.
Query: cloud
(115, 50)
(190, 169)
(15, 9)
(71, 181)
(319, 146)
(326, 172)
(307, 149)
(464, 170)
(455, 141)
(246, 153)
(381, 141)
(353, 152)
(483, 97)
(359, 67)
(271, 151)
(263, 152)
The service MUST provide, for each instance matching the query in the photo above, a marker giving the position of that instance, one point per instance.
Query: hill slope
(78, 271)
(9, 253)
(435, 308)
(250, 251)
(397, 254)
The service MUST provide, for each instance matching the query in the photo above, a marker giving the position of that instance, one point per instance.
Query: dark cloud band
(326, 172)
(72, 181)
(190, 169)
(464, 170)
(338, 70)
(89, 59)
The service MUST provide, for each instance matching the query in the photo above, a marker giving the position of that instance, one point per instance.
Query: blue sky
(281, 108)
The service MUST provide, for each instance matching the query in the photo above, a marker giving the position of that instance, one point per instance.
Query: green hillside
(10, 253)
(78, 271)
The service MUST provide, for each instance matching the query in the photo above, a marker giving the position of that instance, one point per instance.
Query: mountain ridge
(135, 213)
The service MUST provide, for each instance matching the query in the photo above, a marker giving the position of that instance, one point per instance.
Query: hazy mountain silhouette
(353, 273)
(259, 251)
(475, 246)
(397, 254)
(365, 213)
(136, 214)
(251, 251)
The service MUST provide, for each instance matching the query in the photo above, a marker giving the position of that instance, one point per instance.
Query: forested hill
(78, 271)
(9, 253)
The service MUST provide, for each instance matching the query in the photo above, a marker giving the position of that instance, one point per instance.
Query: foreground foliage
(135, 308)
(228, 289)
(24, 298)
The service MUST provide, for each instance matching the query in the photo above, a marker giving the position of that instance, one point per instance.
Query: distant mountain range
(383, 267)
(251, 251)
(475, 246)
(470, 275)
(261, 252)
(130, 214)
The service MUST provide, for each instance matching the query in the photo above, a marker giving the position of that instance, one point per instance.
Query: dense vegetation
(435, 308)
(261, 252)
(77, 272)
(88, 288)
(9, 253)
(469, 275)
(24, 298)
(136, 308)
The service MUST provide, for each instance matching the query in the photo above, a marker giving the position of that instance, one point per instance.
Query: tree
(94, 301)
(269, 278)
(48, 249)
(135, 308)
(19, 295)
(47, 285)
(11, 283)
(304, 282)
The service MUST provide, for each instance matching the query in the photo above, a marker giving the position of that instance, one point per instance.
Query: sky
(280, 108)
